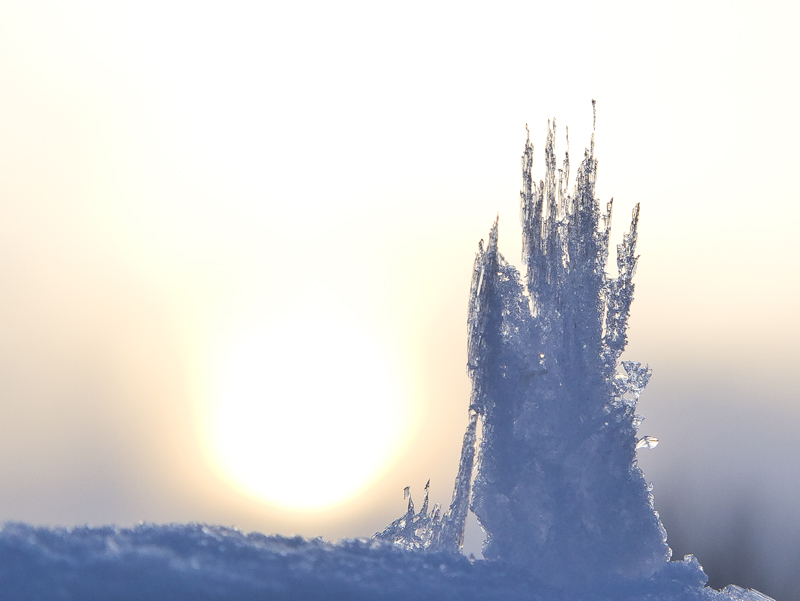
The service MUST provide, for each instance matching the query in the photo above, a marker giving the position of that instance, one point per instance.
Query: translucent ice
(647, 442)
(554, 479)
(556, 483)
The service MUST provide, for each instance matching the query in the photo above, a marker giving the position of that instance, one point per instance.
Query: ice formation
(556, 483)
(554, 480)
(548, 462)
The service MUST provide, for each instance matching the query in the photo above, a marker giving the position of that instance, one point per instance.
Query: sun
(305, 412)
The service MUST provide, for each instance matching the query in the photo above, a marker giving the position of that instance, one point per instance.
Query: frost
(647, 442)
(554, 480)
(415, 531)
(556, 483)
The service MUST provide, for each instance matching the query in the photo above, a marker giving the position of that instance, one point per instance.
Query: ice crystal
(556, 484)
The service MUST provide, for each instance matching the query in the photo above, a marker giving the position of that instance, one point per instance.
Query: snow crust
(204, 563)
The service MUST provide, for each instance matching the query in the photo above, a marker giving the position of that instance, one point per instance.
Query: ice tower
(553, 479)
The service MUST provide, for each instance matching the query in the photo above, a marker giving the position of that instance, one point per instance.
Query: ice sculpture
(557, 483)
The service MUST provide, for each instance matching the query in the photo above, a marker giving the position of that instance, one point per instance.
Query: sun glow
(305, 412)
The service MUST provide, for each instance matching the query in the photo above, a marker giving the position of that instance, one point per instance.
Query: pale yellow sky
(175, 175)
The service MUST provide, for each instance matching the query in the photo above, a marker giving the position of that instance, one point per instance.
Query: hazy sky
(236, 241)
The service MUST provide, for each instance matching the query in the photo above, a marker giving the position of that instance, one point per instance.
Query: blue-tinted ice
(554, 480)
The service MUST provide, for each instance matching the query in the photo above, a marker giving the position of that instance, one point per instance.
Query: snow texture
(552, 478)
(204, 563)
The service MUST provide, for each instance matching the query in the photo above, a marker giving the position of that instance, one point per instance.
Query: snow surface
(204, 563)
(548, 462)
